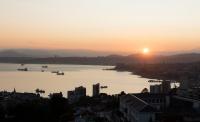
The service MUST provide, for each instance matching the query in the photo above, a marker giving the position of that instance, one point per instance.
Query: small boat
(22, 69)
(44, 66)
(54, 71)
(60, 73)
(104, 87)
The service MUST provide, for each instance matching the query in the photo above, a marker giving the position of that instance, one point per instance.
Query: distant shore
(176, 71)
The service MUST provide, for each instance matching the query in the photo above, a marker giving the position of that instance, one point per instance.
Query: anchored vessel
(22, 69)
(60, 73)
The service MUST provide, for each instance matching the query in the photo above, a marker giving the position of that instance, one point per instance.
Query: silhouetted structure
(96, 89)
(75, 95)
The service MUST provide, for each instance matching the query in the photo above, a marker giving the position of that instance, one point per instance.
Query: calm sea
(75, 75)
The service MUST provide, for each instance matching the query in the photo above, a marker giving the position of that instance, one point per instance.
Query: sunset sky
(102, 25)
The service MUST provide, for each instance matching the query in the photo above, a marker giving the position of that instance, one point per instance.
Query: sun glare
(145, 50)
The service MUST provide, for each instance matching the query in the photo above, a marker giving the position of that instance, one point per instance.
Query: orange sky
(114, 25)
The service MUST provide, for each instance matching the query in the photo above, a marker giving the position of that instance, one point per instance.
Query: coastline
(175, 71)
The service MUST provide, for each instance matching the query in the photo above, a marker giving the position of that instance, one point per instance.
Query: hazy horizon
(113, 26)
(26, 52)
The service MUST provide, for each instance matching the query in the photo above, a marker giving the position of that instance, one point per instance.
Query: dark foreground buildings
(161, 104)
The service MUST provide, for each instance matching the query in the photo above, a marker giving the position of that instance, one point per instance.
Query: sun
(145, 51)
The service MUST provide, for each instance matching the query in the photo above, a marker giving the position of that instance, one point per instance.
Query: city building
(166, 86)
(157, 101)
(135, 109)
(96, 89)
(80, 91)
(75, 95)
(155, 89)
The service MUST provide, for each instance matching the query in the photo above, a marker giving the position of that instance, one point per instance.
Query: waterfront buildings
(57, 95)
(167, 104)
(161, 104)
(164, 87)
(145, 107)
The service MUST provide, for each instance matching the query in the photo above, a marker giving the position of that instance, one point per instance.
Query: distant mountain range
(44, 53)
(196, 50)
(41, 53)
(90, 57)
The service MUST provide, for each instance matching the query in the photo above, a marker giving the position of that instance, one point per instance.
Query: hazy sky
(112, 25)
